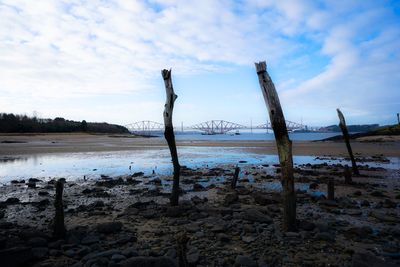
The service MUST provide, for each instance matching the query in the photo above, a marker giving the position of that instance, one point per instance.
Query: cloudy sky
(101, 60)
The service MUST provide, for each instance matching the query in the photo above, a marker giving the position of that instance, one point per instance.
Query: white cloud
(76, 50)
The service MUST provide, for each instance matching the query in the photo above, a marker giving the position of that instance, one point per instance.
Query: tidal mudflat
(116, 216)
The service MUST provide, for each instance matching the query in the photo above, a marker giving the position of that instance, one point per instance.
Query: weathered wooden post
(283, 143)
(59, 227)
(331, 189)
(181, 241)
(235, 178)
(346, 137)
(347, 175)
(398, 118)
(169, 134)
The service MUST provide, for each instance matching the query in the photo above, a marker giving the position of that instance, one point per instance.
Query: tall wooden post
(169, 133)
(283, 143)
(398, 118)
(346, 137)
(59, 227)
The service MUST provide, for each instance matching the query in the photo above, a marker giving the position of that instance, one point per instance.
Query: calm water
(245, 136)
(94, 164)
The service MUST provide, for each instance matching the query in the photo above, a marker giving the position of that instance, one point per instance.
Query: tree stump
(235, 178)
(59, 227)
(346, 137)
(169, 134)
(283, 143)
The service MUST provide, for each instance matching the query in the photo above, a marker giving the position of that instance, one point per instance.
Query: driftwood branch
(283, 143)
(169, 133)
(346, 137)
(59, 227)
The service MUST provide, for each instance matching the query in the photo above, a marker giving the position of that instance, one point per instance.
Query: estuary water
(93, 165)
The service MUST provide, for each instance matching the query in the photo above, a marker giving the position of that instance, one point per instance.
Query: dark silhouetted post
(59, 227)
(331, 189)
(235, 178)
(169, 133)
(283, 143)
(346, 137)
(398, 118)
(181, 241)
(347, 175)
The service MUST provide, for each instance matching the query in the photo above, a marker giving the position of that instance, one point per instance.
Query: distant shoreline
(75, 143)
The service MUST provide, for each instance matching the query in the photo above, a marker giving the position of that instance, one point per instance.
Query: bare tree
(283, 143)
(169, 133)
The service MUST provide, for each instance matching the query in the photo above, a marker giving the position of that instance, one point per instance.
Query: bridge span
(209, 127)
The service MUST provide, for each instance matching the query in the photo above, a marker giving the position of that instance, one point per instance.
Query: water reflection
(94, 164)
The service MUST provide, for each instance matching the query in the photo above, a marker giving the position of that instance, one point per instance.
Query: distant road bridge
(209, 127)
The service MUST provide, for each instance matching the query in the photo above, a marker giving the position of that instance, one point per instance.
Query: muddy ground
(126, 221)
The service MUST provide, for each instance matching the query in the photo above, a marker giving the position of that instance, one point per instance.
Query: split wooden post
(331, 189)
(347, 175)
(346, 137)
(235, 178)
(283, 143)
(169, 133)
(59, 227)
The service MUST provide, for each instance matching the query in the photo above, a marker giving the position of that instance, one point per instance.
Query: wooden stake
(181, 242)
(283, 143)
(59, 227)
(169, 134)
(346, 137)
(331, 189)
(235, 178)
(347, 175)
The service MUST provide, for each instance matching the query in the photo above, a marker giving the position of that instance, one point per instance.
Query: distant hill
(11, 123)
(351, 128)
(381, 131)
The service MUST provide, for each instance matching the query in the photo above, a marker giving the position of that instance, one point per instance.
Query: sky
(102, 60)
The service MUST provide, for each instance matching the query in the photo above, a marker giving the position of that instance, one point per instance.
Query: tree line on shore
(14, 123)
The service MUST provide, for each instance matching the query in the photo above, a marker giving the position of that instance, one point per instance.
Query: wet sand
(72, 143)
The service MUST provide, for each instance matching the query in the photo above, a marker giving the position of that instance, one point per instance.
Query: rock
(130, 252)
(306, 225)
(368, 260)
(193, 256)
(223, 237)
(118, 257)
(365, 203)
(389, 204)
(2, 214)
(230, 198)
(109, 227)
(313, 186)
(40, 252)
(149, 262)
(254, 215)
(245, 261)
(31, 184)
(137, 174)
(377, 194)
(384, 217)
(359, 232)
(43, 193)
(37, 242)
(12, 200)
(198, 187)
(264, 199)
(325, 236)
(174, 211)
(90, 239)
(248, 239)
(17, 256)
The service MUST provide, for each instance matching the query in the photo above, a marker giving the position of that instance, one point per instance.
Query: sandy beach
(71, 143)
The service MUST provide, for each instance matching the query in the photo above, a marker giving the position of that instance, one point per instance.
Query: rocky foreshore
(127, 220)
